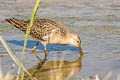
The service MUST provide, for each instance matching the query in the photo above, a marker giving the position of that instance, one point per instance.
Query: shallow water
(97, 23)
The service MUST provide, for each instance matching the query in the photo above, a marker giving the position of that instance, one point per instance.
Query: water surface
(97, 23)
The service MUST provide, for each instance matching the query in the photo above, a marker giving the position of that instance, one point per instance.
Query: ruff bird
(47, 31)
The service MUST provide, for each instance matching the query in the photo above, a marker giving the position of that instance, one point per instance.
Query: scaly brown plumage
(47, 32)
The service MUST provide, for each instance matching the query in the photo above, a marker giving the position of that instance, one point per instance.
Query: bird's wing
(44, 27)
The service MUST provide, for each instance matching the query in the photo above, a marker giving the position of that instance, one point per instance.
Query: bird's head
(75, 40)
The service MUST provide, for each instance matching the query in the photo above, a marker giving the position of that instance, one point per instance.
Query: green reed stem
(27, 34)
(107, 76)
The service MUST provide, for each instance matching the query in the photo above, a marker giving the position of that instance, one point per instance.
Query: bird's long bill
(81, 51)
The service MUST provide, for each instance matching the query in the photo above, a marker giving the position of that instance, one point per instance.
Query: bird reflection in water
(55, 70)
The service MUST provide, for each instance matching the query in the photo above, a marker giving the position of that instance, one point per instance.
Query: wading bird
(47, 32)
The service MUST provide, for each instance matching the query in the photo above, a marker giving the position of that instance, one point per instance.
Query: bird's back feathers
(40, 28)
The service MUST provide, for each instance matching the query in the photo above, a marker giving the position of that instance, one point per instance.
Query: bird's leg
(33, 49)
(43, 61)
(45, 51)
(34, 52)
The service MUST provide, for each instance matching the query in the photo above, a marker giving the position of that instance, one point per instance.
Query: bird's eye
(78, 41)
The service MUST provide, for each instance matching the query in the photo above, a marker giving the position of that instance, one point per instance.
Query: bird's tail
(20, 24)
